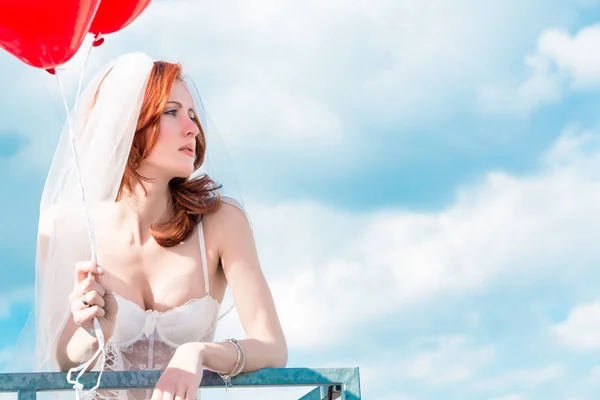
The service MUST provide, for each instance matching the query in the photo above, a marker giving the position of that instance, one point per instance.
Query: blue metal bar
(27, 384)
(26, 395)
(351, 389)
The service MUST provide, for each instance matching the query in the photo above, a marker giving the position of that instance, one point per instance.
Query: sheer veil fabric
(102, 125)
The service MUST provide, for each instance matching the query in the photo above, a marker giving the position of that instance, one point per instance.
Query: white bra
(147, 339)
(192, 321)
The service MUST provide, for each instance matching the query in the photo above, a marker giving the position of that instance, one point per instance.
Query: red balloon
(114, 15)
(45, 33)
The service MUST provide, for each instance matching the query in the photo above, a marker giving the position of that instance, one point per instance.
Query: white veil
(103, 124)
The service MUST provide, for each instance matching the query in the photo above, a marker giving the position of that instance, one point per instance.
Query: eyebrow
(181, 105)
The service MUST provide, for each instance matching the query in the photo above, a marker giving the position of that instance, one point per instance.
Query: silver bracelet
(239, 363)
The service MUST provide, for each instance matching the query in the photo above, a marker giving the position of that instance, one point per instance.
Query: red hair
(190, 198)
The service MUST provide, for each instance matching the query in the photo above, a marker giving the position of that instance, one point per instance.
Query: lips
(188, 150)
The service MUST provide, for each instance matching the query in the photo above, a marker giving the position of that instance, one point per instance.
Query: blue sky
(422, 178)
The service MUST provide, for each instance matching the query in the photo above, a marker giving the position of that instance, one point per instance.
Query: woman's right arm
(73, 345)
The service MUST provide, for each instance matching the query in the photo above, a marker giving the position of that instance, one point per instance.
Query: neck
(147, 207)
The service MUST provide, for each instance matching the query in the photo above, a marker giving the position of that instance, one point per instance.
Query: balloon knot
(98, 40)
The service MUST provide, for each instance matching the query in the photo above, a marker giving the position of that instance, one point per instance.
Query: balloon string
(85, 64)
(97, 328)
(74, 149)
(226, 312)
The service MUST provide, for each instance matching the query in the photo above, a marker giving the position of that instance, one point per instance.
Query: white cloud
(521, 378)
(331, 270)
(554, 381)
(575, 55)
(11, 298)
(581, 330)
(453, 360)
(543, 86)
(301, 74)
(510, 397)
(440, 360)
(336, 65)
(5, 356)
(395, 396)
(594, 374)
(562, 62)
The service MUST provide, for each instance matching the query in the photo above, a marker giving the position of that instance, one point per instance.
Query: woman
(166, 245)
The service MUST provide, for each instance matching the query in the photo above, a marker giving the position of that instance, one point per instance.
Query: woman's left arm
(265, 346)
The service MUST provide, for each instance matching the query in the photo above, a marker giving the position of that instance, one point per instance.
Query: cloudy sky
(423, 178)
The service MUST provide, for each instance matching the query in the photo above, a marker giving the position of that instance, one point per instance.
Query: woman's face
(175, 150)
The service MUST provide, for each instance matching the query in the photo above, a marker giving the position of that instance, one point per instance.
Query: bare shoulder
(229, 228)
(230, 215)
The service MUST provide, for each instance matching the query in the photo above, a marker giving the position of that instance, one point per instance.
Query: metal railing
(329, 383)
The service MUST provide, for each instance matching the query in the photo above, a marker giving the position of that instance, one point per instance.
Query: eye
(172, 112)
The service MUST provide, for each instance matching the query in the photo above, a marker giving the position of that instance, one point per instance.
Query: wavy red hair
(190, 198)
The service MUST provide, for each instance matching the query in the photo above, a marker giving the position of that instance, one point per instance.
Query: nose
(190, 128)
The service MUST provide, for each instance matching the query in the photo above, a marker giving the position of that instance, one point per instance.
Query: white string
(77, 385)
(226, 312)
(77, 168)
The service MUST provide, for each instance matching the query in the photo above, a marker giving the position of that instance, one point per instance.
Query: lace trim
(142, 355)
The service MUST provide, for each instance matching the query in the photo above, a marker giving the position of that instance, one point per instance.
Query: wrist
(200, 350)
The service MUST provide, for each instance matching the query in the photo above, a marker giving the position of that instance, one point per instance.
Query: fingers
(191, 394)
(87, 286)
(84, 268)
(180, 393)
(87, 301)
(160, 394)
(156, 394)
(86, 316)
(92, 298)
(171, 387)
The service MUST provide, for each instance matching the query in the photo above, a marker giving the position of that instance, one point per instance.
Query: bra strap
(204, 259)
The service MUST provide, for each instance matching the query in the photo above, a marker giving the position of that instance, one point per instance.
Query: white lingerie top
(147, 339)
